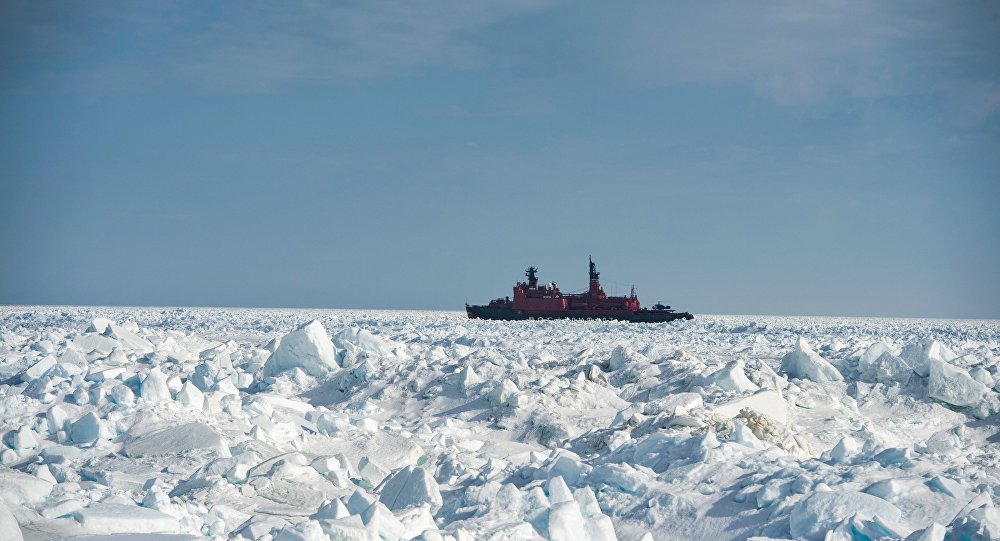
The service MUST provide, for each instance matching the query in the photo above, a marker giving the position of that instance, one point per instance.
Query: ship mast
(595, 283)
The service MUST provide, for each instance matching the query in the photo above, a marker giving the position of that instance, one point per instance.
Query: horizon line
(278, 308)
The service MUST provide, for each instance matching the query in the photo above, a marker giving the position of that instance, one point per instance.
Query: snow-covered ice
(178, 424)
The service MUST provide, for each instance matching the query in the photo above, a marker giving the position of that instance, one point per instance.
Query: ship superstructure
(546, 301)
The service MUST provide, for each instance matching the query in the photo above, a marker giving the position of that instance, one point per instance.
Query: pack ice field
(181, 423)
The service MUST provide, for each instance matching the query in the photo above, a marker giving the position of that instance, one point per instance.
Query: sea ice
(888, 368)
(768, 402)
(308, 347)
(821, 512)
(623, 356)
(10, 530)
(430, 426)
(876, 350)
(363, 341)
(731, 378)
(805, 363)
(87, 429)
(191, 396)
(503, 394)
(128, 338)
(953, 385)
(411, 487)
(919, 355)
(17, 488)
(154, 387)
(39, 369)
(178, 439)
(112, 518)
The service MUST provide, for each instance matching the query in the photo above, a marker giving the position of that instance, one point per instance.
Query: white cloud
(803, 53)
(796, 54)
(246, 46)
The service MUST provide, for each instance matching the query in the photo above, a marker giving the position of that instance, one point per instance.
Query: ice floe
(804, 363)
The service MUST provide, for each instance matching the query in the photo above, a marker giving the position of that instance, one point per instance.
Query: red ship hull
(638, 316)
(534, 301)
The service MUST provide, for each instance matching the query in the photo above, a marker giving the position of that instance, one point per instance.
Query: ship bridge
(530, 296)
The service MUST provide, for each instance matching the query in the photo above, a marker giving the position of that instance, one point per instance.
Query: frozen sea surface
(177, 423)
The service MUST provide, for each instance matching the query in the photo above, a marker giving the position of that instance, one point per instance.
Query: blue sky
(827, 158)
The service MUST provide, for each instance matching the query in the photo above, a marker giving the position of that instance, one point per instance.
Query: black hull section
(510, 314)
